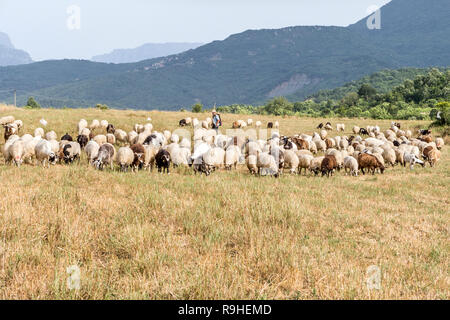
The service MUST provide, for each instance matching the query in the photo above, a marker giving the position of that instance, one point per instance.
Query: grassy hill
(253, 66)
(152, 236)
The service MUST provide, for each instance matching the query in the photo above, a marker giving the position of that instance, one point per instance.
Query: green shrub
(32, 104)
(197, 108)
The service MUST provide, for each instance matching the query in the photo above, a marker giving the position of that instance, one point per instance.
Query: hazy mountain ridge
(252, 66)
(145, 52)
(9, 55)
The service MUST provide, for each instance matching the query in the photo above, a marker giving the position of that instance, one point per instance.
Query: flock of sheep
(368, 149)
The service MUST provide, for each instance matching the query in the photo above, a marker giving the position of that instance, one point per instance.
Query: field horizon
(227, 236)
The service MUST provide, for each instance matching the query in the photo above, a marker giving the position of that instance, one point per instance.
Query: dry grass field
(226, 236)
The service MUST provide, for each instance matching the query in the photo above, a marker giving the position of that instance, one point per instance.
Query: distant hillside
(10, 56)
(145, 52)
(383, 81)
(253, 66)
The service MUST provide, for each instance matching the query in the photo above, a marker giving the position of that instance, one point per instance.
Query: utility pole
(15, 105)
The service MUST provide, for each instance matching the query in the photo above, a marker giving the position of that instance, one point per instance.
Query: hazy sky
(40, 27)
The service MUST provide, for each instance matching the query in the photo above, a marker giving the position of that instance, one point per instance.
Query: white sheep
(412, 159)
(316, 164)
(81, 125)
(132, 137)
(389, 156)
(7, 145)
(232, 155)
(351, 165)
(110, 138)
(304, 162)
(343, 144)
(44, 153)
(16, 152)
(249, 122)
(51, 135)
(100, 139)
(104, 124)
(94, 124)
(320, 145)
(340, 127)
(149, 156)
(181, 156)
(121, 136)
(139, 128)
(258, 124)
(39, 132)
(91, 150)
(267, 164)
(251, 162)
(6, 120)
(214, 158)
(167, 134)
(19, 124)
(125, 158)
(85, 132)
(291, 161)
(29, 148)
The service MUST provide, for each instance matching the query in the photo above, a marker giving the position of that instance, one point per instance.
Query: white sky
(40, 26)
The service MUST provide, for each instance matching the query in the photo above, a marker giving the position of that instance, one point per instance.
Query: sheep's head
(52, 158)
(98, 164)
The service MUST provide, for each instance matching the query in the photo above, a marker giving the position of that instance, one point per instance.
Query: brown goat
(426, 152)
(9, 131)
(428, 138)
(301, 144)
(328, 143)
(329, 164)
(236, 125)
(433, 157)
(370, 162)
(139, 154)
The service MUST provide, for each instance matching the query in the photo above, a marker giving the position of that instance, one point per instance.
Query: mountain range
(145, 52)
(249, 67)
(9, 55)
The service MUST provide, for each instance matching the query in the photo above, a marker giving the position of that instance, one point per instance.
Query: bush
(32, 104)
(102, 106)
(197, 108)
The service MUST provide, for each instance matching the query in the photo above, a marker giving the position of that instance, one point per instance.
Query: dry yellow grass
(228, 236)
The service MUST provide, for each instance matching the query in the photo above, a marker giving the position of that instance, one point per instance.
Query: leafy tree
(197, 108)
(353, 112)
(279, 106)
(350, 99)
(379, 112)
(366, 91)
(32, 104)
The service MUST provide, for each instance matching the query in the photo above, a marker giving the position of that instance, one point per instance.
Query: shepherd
(216, 121)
